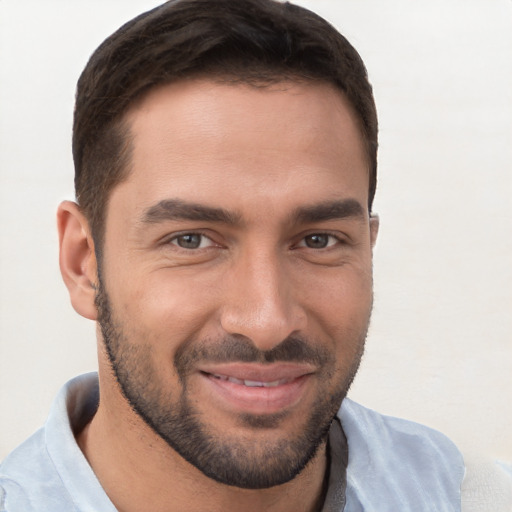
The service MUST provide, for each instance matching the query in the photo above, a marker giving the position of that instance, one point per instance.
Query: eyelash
(331, 240)
(202, 237)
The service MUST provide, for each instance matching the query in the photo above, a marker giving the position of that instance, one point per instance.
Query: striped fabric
(397, 465)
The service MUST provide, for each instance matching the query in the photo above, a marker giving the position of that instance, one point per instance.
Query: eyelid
(171, 238)
(202, 240)
(338, 237)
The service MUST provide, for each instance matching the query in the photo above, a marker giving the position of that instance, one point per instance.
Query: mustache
(236, 348)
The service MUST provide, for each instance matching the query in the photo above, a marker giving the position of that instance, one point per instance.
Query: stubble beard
(225, 458)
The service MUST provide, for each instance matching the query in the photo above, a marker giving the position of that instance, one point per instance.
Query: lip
(256, 388)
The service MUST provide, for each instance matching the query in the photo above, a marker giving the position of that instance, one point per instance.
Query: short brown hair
(250, 41)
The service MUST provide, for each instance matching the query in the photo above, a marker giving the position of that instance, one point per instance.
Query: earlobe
(77, 258)
(374, 228)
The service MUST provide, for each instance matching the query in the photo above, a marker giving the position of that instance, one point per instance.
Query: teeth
(251, 383)
(254, 384)
(273, 384)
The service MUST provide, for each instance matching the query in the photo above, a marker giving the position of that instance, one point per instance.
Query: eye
(318, 241)
(191, 241)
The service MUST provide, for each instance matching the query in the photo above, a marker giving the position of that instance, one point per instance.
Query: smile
(255, 388)
(251, 383)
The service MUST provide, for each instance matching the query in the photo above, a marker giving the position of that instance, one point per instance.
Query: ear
(374, 228)
(77, 259)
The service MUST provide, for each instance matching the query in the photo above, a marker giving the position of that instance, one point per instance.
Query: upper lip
(258, 372)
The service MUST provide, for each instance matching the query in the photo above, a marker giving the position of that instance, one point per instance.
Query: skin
(262, 155)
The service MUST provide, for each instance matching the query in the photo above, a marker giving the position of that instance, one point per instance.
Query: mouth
(255, 388)
(251, 383)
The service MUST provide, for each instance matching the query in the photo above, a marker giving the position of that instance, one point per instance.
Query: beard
(227, 458)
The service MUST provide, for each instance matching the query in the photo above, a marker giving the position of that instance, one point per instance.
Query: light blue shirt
(393, 465)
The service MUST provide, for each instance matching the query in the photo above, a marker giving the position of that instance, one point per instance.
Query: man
(225, 168)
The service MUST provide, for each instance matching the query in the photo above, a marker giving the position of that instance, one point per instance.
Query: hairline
(123, 125)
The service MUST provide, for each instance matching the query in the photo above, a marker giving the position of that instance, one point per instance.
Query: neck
(139, 471)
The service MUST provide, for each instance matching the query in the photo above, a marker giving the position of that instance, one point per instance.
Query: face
(236, 286)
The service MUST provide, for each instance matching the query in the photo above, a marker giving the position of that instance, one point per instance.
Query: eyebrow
(329, 210)
(177, 209)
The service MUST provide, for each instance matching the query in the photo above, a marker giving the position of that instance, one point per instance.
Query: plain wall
(439, 349)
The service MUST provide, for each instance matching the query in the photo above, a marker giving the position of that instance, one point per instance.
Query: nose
(260, 301)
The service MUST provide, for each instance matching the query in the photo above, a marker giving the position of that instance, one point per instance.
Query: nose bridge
(261, 303)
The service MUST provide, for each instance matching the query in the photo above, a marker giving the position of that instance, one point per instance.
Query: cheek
(341, 308)
(166, 309)
(344, 292)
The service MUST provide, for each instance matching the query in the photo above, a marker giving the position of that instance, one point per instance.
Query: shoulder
(389, 431)
(47, 472)
(400, 462)
(26, 475)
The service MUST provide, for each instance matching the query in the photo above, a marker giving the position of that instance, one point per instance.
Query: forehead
(202, 140)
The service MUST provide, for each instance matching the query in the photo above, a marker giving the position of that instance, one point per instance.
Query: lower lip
(257, 400)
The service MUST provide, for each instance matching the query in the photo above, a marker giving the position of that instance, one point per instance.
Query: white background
(440, 344)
